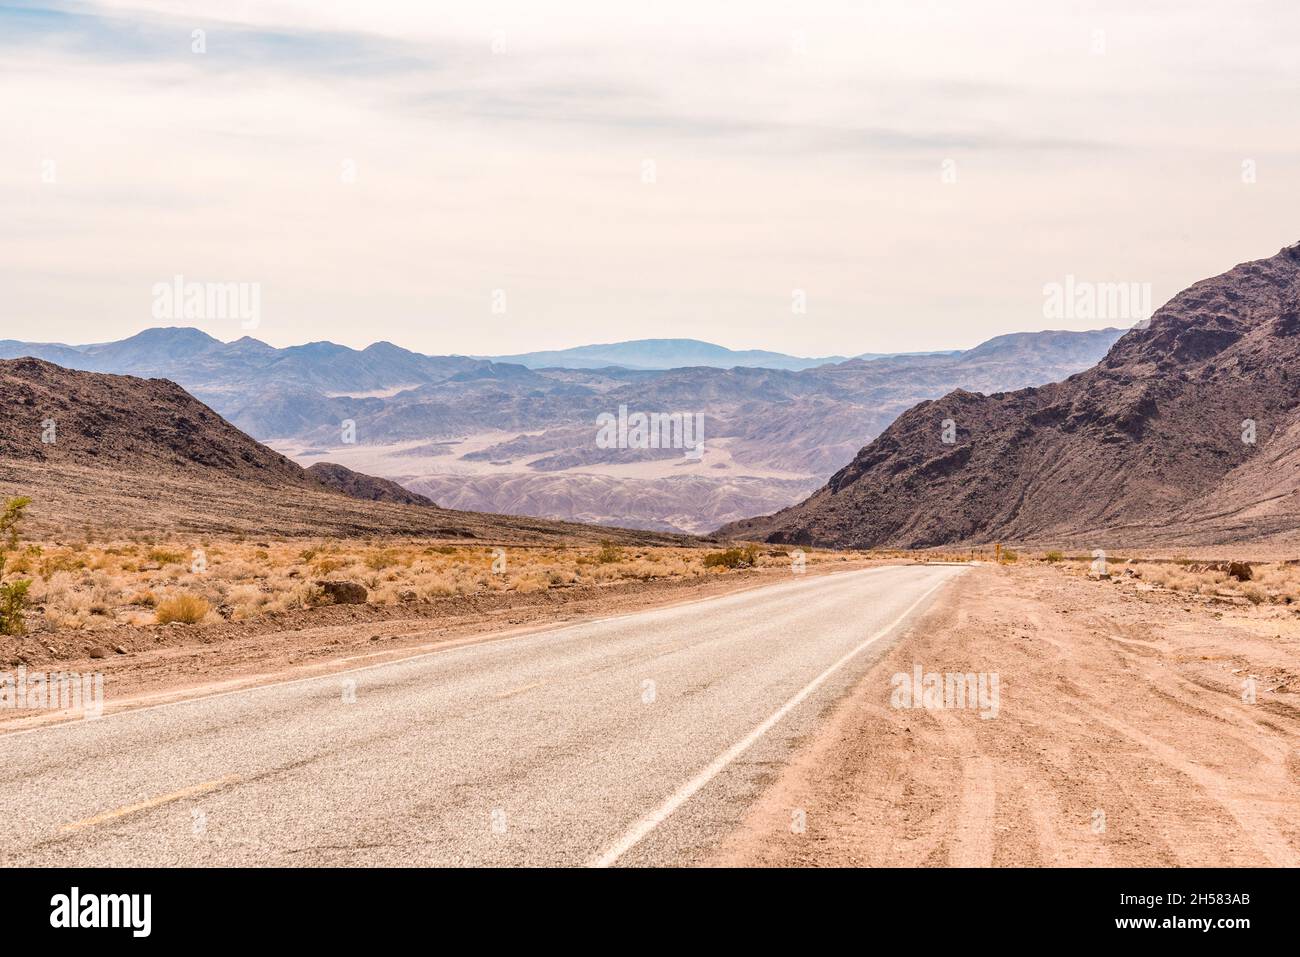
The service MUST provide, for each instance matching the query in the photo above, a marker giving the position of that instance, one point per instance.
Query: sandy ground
(1121, 739)
(412, 460)
(156, 663)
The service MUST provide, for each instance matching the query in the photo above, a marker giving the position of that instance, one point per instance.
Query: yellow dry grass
(185, 609)
(94, 585)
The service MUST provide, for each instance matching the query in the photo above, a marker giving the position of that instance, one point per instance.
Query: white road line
(683, 794)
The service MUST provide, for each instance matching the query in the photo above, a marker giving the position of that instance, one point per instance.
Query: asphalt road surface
(638, 740)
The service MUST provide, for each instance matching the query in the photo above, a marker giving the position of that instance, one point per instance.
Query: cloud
(103, 36)
(497, 145)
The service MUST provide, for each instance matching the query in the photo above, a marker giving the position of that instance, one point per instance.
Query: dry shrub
(531, 582)
(437, 588)
(301, 595)
(184, 608)
(608, 554)
(384, 558)
(386, 594)
(561, 576)
(1254, 593)
(237, 571)
(732, 558)
(327, 565)
(642, 570)
(247, 601)
(63, 561)
(23, 564)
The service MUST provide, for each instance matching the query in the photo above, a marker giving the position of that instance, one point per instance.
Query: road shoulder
(1121, 738)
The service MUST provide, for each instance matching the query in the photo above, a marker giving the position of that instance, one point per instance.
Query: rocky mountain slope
(1187, 431)
(366, 487)
(62, 417)
(123, 455)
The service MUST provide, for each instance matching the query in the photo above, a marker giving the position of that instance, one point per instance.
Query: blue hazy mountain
(670, 354)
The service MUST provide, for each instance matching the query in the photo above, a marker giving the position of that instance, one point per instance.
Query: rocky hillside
(109, 455)
(64, 417)
(1187, 431)
(366, 487)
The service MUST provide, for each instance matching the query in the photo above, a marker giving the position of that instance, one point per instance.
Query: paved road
(637, 740)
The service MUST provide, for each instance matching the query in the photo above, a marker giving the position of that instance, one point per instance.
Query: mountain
(64, 418)
(502, 437)
(662, 504)
(131, 424)
(131, 456)
(806, 423)
(1187, 431)
(247, 371)
(660, 354)
(365, 487)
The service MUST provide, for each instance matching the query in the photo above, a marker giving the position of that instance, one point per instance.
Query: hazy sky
(630, 170)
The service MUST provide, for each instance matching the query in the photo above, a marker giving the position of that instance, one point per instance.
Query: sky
(489, 178)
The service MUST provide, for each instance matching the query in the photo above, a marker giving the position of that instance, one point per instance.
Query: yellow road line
(520, 690)
(191, 791)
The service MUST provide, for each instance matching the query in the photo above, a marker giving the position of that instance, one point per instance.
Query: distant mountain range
(671, 354)
(1186, 432)
(498, 436)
